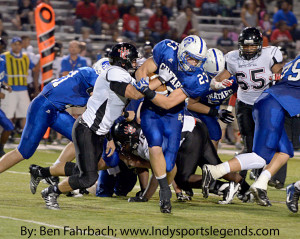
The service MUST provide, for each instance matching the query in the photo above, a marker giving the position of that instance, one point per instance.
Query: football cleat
(292, 197)
(247, 197)
(52, 180)
(207, 180)
(229, 193)
(35, 179)
(164, 200)
(260, 196)
(50, 199)
(183, 198)
(137, 199)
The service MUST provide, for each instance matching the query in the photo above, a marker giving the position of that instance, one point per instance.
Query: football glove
(225, 116)
(142, 85)
(275, 77)
(215, 85)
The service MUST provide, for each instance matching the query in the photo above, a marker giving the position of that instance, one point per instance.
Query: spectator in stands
(86, 14)
(124, 6)
(158, 24)
(186, 21)
(249, 14)
(26, 44)
(57, 59)
(85, 37)
(108, 14)
(83, 51)
(265, 24)
(146, 36)
(3, 34)
(209, 7)
(284, 14)
(72, 61)
(167, 7)
(16, 103)
(35, 59)
(227, 6)
(24, 15)
(131, 24)
(225, 43)
(148, 8)
(281, 35)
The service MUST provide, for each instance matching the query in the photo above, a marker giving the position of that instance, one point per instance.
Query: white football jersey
(142, 149)
(105, 106)
(253, 76)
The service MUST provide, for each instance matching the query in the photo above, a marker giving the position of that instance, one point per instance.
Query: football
(153, 76)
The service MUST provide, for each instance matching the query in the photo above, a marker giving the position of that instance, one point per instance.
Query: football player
(206, 107)
(252, 65)
(272, 147)
(180, 63)
(48, 110)
(112, 90)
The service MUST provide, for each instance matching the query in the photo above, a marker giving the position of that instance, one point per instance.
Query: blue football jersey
(2, 70)
(71, 90)
(165, 55)
(287, 90)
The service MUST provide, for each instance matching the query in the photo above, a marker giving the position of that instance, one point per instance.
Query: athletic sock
(262, 181)
(219, 170)
(54, 189)
(163, 182)
(45, 172)
(244, 186)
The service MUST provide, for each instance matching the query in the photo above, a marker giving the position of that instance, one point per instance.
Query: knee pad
(250, 161)
(85, 180)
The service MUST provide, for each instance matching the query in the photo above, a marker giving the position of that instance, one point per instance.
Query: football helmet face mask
(123, 55)
(101, 65)
(192, 47)
(215, 62)
(126, 135)
(250, 43)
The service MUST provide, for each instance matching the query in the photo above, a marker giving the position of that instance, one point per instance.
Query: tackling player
(271, 148)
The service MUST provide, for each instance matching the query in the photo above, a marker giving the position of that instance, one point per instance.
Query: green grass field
(21, 213)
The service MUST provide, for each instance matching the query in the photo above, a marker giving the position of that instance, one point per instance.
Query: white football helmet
(101, 65)
(215, 62)
(192, 46)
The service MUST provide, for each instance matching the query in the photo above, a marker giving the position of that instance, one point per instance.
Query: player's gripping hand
(215, 85)
(225, 116)
(275, 77)
(142, 85)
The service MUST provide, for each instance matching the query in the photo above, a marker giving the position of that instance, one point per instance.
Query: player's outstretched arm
(175, 98)
(146, 68)
(195, 105)
(220, 81)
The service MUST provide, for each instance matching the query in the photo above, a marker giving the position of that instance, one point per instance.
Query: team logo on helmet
(129, 129)
(124, 52)
(188, 41)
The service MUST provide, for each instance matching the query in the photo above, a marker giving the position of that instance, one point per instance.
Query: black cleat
(292, 198)
(247, 197)
(137, 199)
(260, 196)
(229, 192)
(50, 199)
(35, 177)
(164, 200)
(183, 198)
(207, 180)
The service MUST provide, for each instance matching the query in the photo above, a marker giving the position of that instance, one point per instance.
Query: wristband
(126, 114)
(109, 136)
(213, 112)
(149, 94)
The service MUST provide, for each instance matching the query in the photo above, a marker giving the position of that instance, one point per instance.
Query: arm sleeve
(276, 56)
(228, 64)
(118, 87)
